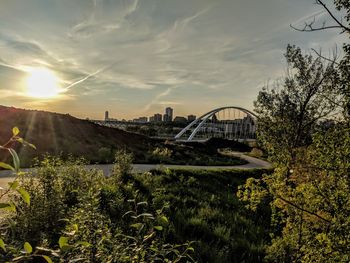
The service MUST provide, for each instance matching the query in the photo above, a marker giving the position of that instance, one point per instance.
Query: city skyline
(137, 57)
(167, 116)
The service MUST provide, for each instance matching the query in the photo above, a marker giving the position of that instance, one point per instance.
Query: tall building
(106, 115)
(157, 117)
(191, 117)
(168, 116)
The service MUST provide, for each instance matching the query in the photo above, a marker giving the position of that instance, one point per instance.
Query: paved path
(253, 163)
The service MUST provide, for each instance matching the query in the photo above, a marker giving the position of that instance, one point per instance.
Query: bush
(78, 214)
(105, 155)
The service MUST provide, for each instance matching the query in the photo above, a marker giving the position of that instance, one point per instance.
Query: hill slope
(63, 134)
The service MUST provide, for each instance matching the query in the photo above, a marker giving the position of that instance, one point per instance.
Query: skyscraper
(106, 115)
(168, 114)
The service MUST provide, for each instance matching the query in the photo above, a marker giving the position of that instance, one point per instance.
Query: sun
(42, 83)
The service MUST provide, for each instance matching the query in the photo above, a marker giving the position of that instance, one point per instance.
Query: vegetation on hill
(64, 135)
(78, 215)
(60, 134)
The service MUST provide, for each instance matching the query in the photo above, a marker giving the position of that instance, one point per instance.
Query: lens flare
(42, 83)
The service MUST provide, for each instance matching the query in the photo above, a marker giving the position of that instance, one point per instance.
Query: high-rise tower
(169, 114)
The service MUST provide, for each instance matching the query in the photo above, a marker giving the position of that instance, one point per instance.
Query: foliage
(122, 166)
(162, 154)
(202, 207)
(13, 207)
(105, 155)
(309, 190)
(255, 152)
(79, 215)
(72, 217)
(288, 115)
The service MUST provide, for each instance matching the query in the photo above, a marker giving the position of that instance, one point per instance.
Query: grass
(204, 208)
(200, 208)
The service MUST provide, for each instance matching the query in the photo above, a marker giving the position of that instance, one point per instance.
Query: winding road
(253, 163)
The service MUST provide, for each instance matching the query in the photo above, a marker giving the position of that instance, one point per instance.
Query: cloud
(156, 99)
(86, 77)
(167, 102)
(146, 54)
(96, 24)
(181, 24)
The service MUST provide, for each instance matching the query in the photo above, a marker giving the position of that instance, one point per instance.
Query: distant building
(157, 117)
(179, 119)
(106, 115)
(168, 116)
(151, 119)
(143, 119)
(140, 120)
(191, 117)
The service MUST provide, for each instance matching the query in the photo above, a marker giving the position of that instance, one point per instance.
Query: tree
(309, 190)
(289, 113)
(340, 21)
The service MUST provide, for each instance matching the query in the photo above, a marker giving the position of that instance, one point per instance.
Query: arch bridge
(230, 122)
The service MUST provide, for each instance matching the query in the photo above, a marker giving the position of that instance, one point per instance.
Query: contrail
(160, 95)
(88, 76)
(307, 17)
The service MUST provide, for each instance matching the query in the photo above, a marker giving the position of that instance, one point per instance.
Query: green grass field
(204, 208)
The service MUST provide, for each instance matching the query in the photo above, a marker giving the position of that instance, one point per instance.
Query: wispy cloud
(219, 52)
(156, 99)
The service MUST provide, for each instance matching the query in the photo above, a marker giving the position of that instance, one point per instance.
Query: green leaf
(159, 228)
(75, 227)
(25, 195)
(25, 143)
(13, 185)
(4, 205)
(2, 245)
(63, 242)
(15, 158)
(164, 219)
(20, 140)
(12, 207)
(6, 166)
(47, 258)
(28, 248)
(15, 131)
(8, 206)
(190, 249)
(137, 225)
(31, 145)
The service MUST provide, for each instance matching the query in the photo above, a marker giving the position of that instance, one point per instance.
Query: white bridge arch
(228, 122)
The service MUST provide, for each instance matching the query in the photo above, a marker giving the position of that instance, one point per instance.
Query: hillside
(63, 134)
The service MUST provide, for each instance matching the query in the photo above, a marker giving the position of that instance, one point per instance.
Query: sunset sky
(135, 57)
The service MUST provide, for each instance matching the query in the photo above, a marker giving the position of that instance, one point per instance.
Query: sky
(136, 57)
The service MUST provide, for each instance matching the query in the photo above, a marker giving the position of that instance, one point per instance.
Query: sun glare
(42, 83)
